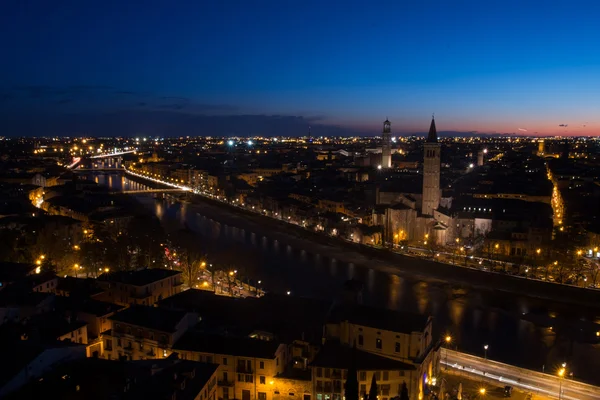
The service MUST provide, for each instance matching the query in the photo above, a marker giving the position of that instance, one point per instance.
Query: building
(143, 287)
(431, 172)
(330, 369)
(144, 332)
(29, 361)
(404, 337)
(386, 145)
(416, 217)
(93, 378)
(248, 366)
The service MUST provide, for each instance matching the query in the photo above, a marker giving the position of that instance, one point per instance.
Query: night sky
(202, 67)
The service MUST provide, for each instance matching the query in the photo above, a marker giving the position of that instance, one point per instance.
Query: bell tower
(386, 145)
(431, 171)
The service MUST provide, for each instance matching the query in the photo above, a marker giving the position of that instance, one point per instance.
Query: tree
(373, 390)
(191, 255)
(351, 385)
(404, 392)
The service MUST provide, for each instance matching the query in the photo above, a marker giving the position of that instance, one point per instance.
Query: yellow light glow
(38, 270)
(448, 339)
(482, 391)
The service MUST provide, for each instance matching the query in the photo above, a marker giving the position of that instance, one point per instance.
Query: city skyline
(210, 69)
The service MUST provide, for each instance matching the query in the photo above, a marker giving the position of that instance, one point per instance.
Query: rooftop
(334, 355)
(217, 344)
(141, 277)
(150, 317)
(379, 318)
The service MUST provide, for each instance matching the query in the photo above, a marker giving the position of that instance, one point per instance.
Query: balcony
(225, 383)
(244, 369)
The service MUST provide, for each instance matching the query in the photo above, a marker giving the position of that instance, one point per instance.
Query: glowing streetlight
(288, 292)
(485, 348)
(482, 391)
(561, 374)
(230, 142)
(379, 167)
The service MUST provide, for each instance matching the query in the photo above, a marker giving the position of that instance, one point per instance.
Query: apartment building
(142, 287)
(248, 366)
(143, 332)
(330, 371)
(404, 337)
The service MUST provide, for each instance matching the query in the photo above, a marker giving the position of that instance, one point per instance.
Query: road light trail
(532, 381)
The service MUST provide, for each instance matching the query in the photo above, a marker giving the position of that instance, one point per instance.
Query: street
(532, 381)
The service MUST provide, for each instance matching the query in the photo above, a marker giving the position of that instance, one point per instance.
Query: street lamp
(448, 340)
(485, 348)
(482, 391)
(561, 374)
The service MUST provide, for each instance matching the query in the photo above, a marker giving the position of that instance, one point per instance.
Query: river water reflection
(473, 317)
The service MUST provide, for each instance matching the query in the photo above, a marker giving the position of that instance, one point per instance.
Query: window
(363, 375)
(397, 347)
(151, 334)
(319, 396)
(319, 372)
(240, 377)
(378, 343)
(400, 373)
(118, 342)
(225, 376)
(261, 365)
(291, 394)
(226, 393)
(385, 390)
(209, 359)
(363, 388)
(224, 360)
(378, 375)
(306, 397)
(327, 373)
(386, 376)
(262, 380)
(262, 396)
(249, 378)
(360, 340)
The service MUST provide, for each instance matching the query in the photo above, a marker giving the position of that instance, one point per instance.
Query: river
(474, 317)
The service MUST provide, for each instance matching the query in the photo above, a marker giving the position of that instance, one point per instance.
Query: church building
(408, 219)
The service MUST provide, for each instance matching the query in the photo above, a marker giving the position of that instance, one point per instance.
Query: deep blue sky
(228, 67)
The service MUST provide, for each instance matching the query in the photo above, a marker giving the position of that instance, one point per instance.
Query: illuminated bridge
(153, 191)
(114, 154)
